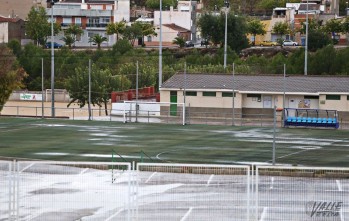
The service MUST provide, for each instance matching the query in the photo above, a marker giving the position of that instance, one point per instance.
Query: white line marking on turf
(339, 185)
(187, 214)
(115, 214)
(30, 165)
(209, 180)
(150, 177)
(84, 171)
(272, 183)
(265, 209)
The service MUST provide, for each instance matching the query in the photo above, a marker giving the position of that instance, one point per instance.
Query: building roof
(176, 27)
(311, 7)
(261, 84)
(14, 20)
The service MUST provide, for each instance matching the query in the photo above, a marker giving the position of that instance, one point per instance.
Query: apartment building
(92, 15)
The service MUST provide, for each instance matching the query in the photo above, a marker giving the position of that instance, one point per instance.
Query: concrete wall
(3, 32)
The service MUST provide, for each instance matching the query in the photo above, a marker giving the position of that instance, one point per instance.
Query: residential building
(92, 15)
(11, 29)
(255, 94)
(184, 17)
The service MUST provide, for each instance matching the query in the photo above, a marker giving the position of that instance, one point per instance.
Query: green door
(173, 107)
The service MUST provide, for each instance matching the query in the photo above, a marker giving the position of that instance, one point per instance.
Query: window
(77, 21)
(173, 93)
(333, 97)
(208, 94)
(191, 93)
(67, 20)
(228, 94)
(311, 97)
(348, 98)
(259, 96)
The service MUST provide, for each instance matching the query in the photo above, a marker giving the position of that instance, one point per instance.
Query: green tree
(345, 25)
(116, 28)
(37, 27)
(318, 39)
(147, 29)
(122, 46)
(132, 33)
(255, 27)
(98, 39)
(68, 40)
(102, 84)
(179, 41)
(11, 75)
(74, 31)
(281, 28)
(213, 28)
(155, 4)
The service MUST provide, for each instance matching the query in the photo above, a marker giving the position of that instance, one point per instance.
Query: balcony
(99, 26)
(65, 25)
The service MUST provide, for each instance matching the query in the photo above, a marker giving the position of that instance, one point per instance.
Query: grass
(67, 140)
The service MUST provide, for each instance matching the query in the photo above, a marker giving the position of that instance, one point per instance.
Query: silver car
(289, 43)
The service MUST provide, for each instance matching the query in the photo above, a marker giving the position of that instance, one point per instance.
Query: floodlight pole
(52, 65)
(306, 41)
(226, 3)
(274, 131)
(89, 89)
(233, 89)
(42, 88)
(137, 92)
(160, 48)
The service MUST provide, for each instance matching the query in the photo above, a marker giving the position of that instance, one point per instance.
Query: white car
(289, 43)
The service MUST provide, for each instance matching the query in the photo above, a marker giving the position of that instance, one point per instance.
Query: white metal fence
(93, 191)
(302, 193)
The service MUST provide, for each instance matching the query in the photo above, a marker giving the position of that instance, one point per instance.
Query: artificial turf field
(67, 140)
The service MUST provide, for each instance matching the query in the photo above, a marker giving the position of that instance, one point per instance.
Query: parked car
(55, 45)
(204, 42)
(189, 44)
(269, 43)
(289, 43)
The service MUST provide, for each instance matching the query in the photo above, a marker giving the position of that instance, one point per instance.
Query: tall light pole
(52, 65)
(306, 41)
(346, 9)
(226, 4)
(160, 48)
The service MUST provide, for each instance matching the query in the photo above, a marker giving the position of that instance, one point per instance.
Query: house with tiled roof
(11, 29)
(256, 94)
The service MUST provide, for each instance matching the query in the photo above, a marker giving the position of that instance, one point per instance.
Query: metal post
(184, 91)
(233, 89)
(226, 3)
(274, 131)
(284, 96)
(185, 83)
(137, 92)
(89, 89)
(42, 88)
(160, 48)
(306, 42)
(52, 65)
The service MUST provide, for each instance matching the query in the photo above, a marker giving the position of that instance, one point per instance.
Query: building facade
(11, 29)
(255, 94)
(92, 16)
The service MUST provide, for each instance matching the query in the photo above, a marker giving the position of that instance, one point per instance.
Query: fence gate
(192, 192)
(302, 193)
